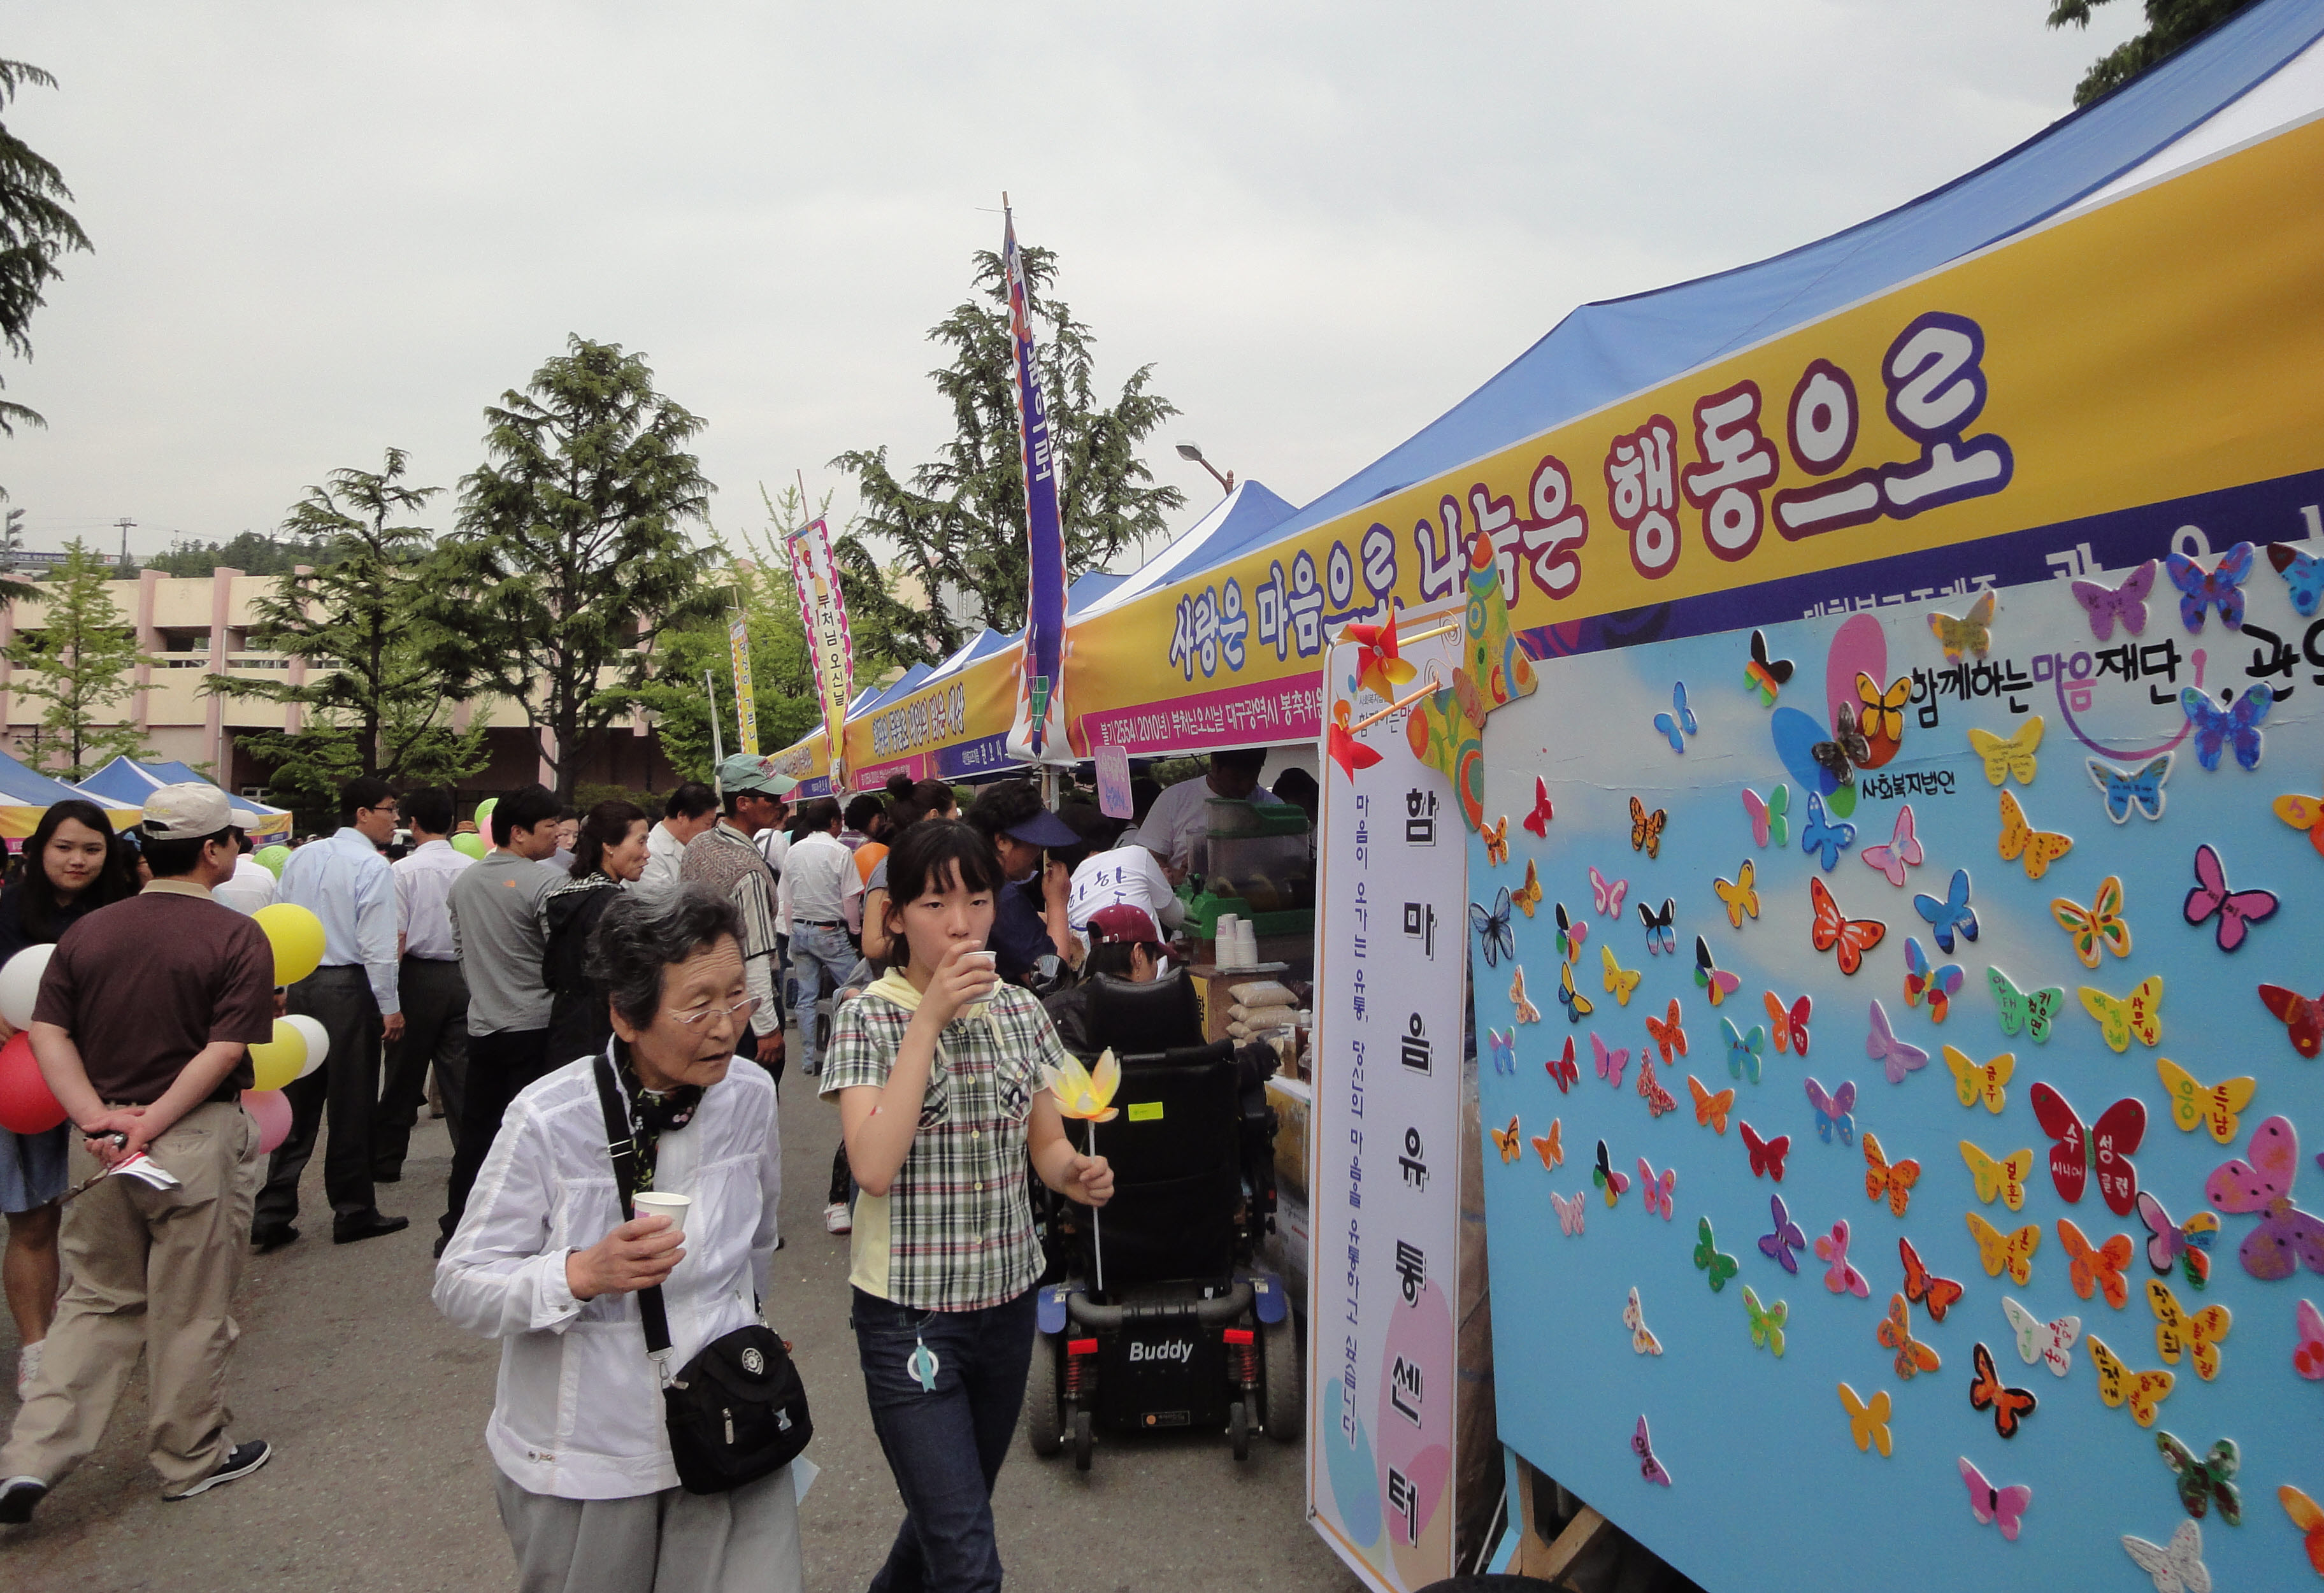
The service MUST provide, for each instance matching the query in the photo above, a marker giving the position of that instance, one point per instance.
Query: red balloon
(27, 1105)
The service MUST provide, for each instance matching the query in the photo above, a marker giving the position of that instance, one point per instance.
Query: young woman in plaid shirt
(940, 1069)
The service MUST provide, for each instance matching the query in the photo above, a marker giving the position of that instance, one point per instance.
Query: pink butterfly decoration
(1895, 1055)
(1839, 1276)
(2239, 910)
(2287, 1238)
(2126, 602)
(1756, 806)
(2308, 1355)
(1657, 1188)
(1903, 851)
(1570, 1213)
(1609, 898)
(1642, 1446)
(1611, 1063)
(2002, 1507)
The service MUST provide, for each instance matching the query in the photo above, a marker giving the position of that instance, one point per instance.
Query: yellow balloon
(277, 1061)
(297, 936)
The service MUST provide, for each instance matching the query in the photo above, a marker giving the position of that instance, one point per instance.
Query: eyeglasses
(739, 1012)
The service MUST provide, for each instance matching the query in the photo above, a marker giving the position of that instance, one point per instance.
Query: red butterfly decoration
(1667, 1034)
(2103, 1147)
(1537, 821)
(1766, 1155)
(1348, 752)
(1986, 1392)
(1847, 939)
(2304, 1017)
(1790, 1030)
(1925, 1288)
(1658, 1099)
(1563, 1069)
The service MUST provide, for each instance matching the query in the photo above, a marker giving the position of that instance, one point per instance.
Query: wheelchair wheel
(1239, 1430)
(1045, 1418)
(1082, 1440)
(1286, 1398)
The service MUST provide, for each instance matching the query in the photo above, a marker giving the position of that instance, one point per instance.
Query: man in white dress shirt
(251, 887)
(433, 994)
(1178, 819)
(691, 809)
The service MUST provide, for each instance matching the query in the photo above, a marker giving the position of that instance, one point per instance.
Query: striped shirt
(723, 859)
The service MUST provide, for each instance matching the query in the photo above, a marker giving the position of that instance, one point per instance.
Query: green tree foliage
(782, 679)
(572, 559)
(254, 553)
(2171, 24)
(35, 229)
(78, 662)
(959, 524)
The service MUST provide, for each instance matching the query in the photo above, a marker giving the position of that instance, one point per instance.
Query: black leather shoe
(267, 1240)
(369, 1227)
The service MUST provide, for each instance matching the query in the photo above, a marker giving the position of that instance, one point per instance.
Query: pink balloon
(27, 1105)
(271, 1110)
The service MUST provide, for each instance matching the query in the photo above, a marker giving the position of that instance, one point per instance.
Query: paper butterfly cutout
(1896, 1333)
(1667, 1035)
(2019, 1010)
(1881, 715)
(2139, 1013)
(1378, 664)
(1642, 1446)
(1987, 1081)
(1971, 633)
(1570, 1213)
(2177, 1567)
(1741, 896)
(1770, 815)
(1710, 1111)
(1660, 936)
(2002, 1508)
(1839, 1276)
(2307, 1354)
(1998, 1251)
(1953, 916)
(2302, 812)
(1527, 1011)
(2287, 1238)
(2218, 728)
(1821, 834)
(1607, 898)
(1510, 1143)
(2097, 1268)
(2103, 1150)
(2127, 789)
(1657, 1189)
(2144, 1392)
(2126, 602)
(1868, 1424)
(2303, 573)
(2013, 756)
(2197, 1332)
(2051, 1343)
(1551, 1146)
(2038, 848)
(2206, 1479)
(1902, 851)
(1537, 821)
(1766, 1155)
(2099, 924)
(1657, 1098)
(2237, 910)
(1834, 1112)
(2195, 1105)
(2308, 1517)
(1612, 1184)
(1846, 751)
(1610, 1062)
(1646, 828)
(1562, 1070)
(1895, 1057)
(1634, 1319)
(1503, 1047)
(1527, 896)
(1497, 842)
(1495, 939)
(1790, 1030)
(1620, 981)
(1846, 939)
(1679, 722)
(2221, 587)
(1934, 1295)
(1986, 1392)
(1924, 982)
(1767, 677)
(1711, 1260)
(1884, 1180)
(1766, 1322)
(2001, 1178)
(1782, 1246)
(1745, 1053)
(1710, 977)
(2188, 1244)
(2303, 1019)
(1570, 932)
(1577, 1005)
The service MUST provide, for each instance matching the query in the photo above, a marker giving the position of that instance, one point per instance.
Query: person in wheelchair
(1125, 948)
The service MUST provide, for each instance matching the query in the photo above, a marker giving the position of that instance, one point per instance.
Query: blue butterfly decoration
(1679, 722)
(1745, 1053)
(1504, 1047)
(2215, 727)
(1829, 836)
(1495, 939)
(2222, 587)
(1951, 916)
(2125, 789)
(2302, 572)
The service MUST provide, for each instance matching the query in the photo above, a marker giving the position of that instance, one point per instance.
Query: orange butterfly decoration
(1847, 939)
(1790, 1030)
(1551, 1146)
(1709, 1108)
(1896, 1331)
(1925, 1288)
(1510, 1143)
(2009, 1405)
(1497, 841)
(1667, 1034)
(2308, 1518)
(1882, 1178)
(2099, 1268)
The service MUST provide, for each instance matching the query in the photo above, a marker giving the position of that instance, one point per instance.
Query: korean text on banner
(824, 613)
(1036, 730)
(746, 701)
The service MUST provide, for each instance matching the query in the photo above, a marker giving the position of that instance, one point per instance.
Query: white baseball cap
(187, 811)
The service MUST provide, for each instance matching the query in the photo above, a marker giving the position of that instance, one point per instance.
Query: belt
(817, 924)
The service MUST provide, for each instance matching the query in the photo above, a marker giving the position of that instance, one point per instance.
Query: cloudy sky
(324, 229)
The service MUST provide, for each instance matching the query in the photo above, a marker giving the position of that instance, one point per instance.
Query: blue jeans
(815, 952)
(945, 1448)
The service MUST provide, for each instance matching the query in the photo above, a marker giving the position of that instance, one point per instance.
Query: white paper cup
(990, 959)
(654, 1202)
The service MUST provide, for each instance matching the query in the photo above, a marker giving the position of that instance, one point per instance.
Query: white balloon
(318, 1038)
(20, 984)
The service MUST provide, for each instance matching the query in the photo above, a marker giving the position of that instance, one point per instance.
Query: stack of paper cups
(1246, 945)
(1225, 936)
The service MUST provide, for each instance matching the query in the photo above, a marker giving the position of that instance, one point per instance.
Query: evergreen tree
(78, 662)
(2170, 26)
(36, 228)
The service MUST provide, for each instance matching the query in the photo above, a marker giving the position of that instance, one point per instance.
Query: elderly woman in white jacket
(543, 1261)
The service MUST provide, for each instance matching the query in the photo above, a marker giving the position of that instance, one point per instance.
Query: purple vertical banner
(1036, 728)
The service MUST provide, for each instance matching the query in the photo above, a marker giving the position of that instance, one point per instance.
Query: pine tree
(36, 228)
(79, 662)
(2170, 26)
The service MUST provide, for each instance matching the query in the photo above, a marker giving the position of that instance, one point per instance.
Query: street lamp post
(1192, 452)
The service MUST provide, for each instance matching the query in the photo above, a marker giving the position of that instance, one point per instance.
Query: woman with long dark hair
(608, 856)
(73, 865)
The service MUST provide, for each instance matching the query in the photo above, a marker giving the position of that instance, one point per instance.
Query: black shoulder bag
(737, 1412)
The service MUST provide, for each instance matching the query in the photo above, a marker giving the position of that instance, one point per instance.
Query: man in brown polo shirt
(143, 1030)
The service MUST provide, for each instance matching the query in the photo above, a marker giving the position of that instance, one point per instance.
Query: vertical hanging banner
(1036, 730)
(746, 701)
(824, 613)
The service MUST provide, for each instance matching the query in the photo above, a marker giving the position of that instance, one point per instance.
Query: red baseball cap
(1123, 923)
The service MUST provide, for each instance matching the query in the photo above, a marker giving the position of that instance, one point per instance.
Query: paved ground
(381, 1481)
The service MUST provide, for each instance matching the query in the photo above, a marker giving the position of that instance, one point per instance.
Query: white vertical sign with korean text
(1384, 1168)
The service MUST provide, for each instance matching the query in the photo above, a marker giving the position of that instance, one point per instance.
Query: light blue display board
(1769, 1489)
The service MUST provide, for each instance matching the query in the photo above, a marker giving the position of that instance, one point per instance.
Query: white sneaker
(835, 1218)
(28, 1367)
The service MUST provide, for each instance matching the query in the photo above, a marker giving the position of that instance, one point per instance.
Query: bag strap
(622, 1148)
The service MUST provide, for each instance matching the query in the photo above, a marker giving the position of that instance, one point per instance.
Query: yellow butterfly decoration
(1551, 1146)
(1646, 828)
(1529, 896)
(2144, 1392)
(1887, 1180)
(1497, 841)
(2303, 812)
(1999, 1250)
(1882, 717)
(1511, 1143)
(2101, 923)
(1527, 1011)
(2197, 1334)
(1971, 633)
(1868, 1424)
(2001, 1176)
(1741, 896)
(1987, 1081)
(1620, 981)
(2038, 848)
(2139, 1013)
(1577, 1005)
(2011, 757)
(2194, 1103)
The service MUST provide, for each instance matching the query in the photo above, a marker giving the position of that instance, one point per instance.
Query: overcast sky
(324, 229)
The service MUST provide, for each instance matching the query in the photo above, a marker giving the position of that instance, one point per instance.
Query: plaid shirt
(955, 1231)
